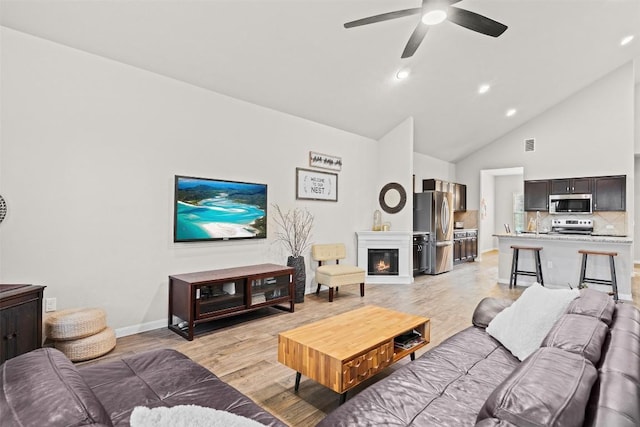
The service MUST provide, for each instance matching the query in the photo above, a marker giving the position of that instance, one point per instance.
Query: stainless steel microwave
(570, 204)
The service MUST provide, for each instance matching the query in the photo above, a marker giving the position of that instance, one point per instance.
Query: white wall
(636, 217)
(427, 167)
(399, 139)
(487, 212)
(505, 187)
(590, 133)
(89, 151)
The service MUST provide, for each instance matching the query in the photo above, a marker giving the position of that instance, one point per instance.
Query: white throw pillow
(187, 416)
(522, 326)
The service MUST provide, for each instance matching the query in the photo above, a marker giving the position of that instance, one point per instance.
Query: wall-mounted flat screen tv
(213, 209)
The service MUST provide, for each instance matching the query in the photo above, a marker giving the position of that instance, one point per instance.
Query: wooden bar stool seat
(613, 283)
(514, 265)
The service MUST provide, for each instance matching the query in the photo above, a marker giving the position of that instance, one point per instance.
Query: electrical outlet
(549, 264)
(50, 304)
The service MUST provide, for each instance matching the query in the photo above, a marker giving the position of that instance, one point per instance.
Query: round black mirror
(392, 197)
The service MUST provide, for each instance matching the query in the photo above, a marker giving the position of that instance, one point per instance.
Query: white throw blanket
(187, 416)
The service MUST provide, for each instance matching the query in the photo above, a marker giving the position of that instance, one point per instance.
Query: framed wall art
(316, 185)
(324, 161)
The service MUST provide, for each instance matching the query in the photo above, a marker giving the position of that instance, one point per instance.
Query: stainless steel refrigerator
(433, 213)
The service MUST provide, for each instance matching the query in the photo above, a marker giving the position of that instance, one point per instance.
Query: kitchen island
(561, 261)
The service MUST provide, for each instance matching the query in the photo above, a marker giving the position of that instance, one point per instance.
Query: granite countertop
(570, 237)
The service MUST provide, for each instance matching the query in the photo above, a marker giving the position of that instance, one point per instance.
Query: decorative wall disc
(3, 209)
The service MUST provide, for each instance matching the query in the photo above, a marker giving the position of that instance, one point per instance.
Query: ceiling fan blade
(415, 40)
(475, 22)
(383, 17)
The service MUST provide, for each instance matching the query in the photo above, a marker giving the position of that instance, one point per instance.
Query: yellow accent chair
(335, 275)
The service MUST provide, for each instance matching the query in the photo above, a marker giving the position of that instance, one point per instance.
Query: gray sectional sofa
(43, 388)
(586, 372)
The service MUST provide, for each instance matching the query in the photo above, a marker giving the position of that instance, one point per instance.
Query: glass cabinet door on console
(269, 288)
(219, 297)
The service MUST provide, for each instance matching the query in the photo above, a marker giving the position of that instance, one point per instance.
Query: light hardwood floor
(242, 351)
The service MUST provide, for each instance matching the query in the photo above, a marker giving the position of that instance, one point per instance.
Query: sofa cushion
(615, 397)
(446, 386)
(165, 378)
(593, 303)
(550, 388)
(487, 309)
(522, 326)
(578, 334)
(43, 388)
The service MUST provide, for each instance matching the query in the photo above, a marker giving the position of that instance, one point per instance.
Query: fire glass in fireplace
(383, 262)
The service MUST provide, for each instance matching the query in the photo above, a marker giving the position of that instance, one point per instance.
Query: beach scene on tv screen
(210, 209)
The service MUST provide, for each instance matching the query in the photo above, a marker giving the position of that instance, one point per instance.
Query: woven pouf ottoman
(88, 347)
(80, 333)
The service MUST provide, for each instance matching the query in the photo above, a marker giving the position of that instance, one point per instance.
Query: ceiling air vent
(529, 145)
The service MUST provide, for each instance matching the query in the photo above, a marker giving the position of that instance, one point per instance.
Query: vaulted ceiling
(295, 56)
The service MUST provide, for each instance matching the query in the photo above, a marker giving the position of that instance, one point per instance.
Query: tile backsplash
(469, 218)
(603, 222)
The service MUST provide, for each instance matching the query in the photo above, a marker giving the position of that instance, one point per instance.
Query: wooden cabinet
(571, 186)
(196, 298)
(459, 197)
(458, 241)
(459, 191)
(472, 245)
(536, 195)
(20, 319)
(465, 246)
(609, 193)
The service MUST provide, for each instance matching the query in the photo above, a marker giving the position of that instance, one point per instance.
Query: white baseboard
(142, 327)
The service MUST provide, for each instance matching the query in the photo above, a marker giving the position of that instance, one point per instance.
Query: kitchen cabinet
(609, 193)
(459, 197)
(459, 191)
(458, 242)
(571, 186)
(465, 246)
(472, 245)
(536, 195)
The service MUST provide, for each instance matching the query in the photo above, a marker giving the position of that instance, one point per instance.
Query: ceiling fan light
(434, 17)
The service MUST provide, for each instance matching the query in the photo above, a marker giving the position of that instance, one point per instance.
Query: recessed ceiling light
(483, 88)
(511, 112)
(403, 74)
(434, 17)
(625, 41)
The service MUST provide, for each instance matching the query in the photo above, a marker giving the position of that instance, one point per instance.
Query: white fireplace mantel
(401, 240)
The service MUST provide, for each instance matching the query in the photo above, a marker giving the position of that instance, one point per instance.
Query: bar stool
(612, 266)
(514, 265)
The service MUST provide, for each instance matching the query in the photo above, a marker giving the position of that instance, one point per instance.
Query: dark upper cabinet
(536, 195)
(436, 185)
(459, 191)
(571, 186)
(459, 197)
(609, 193)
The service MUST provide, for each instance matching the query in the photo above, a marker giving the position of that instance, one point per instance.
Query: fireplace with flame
(383, 262)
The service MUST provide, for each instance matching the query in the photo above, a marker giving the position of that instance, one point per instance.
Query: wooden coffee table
(342, 351)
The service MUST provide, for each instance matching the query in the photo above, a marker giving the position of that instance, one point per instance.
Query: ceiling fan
(433, 12)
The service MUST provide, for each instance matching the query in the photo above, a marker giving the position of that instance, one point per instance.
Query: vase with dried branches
(294, 232)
